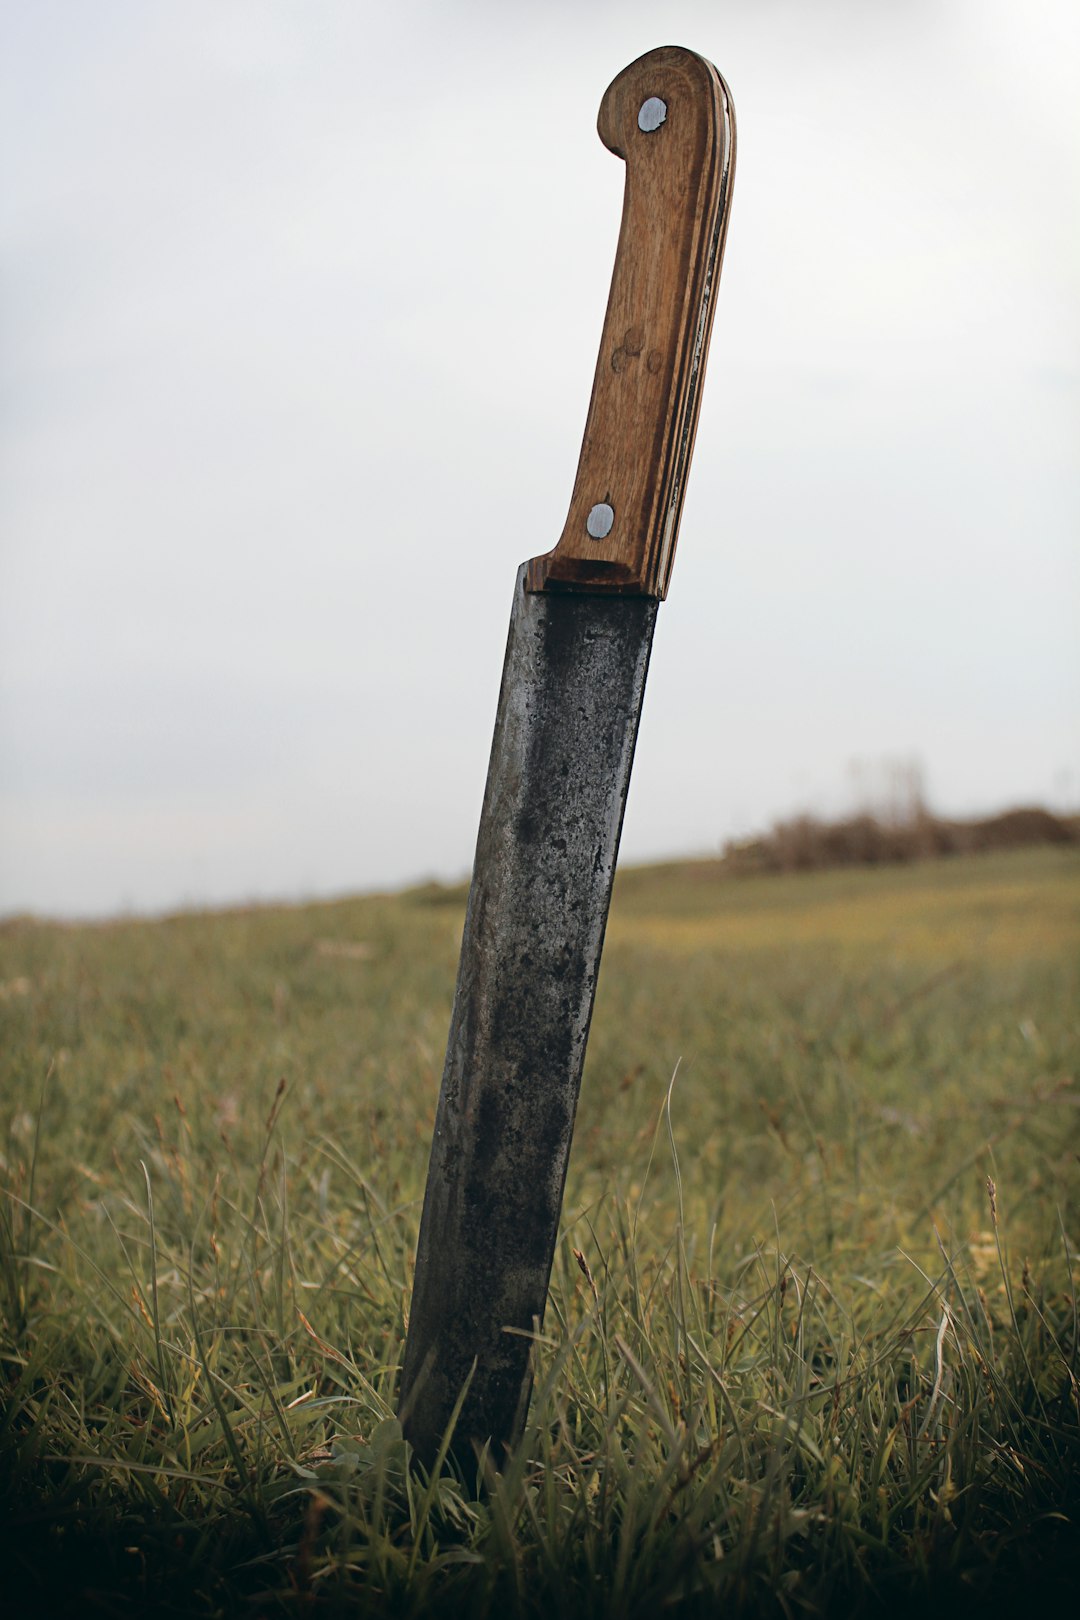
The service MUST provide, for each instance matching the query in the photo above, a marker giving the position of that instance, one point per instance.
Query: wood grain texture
(639, 434)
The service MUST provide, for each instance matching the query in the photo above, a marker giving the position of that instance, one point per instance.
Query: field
(811, 1346)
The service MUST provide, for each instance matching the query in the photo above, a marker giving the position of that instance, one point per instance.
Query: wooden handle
(669, 115)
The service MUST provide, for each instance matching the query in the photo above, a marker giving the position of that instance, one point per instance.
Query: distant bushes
(805, 843)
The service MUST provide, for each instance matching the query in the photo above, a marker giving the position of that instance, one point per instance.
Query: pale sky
(300, 310)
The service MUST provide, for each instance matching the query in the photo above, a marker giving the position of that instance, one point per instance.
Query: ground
(811, 1346)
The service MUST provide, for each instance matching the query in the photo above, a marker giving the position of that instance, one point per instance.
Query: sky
(300, 312)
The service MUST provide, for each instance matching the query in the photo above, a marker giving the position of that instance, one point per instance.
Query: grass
(811, 1346)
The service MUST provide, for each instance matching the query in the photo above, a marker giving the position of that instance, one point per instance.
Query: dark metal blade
(545, 859)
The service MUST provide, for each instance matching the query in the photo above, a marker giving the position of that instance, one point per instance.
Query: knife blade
(581, 631)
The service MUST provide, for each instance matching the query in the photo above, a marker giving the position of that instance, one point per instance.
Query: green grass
(796, 1361)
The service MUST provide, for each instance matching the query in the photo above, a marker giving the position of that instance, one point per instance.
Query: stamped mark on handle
(669, 116)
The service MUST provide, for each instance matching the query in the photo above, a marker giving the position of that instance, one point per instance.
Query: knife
(581, 630)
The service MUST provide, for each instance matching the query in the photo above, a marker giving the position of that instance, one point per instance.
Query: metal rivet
(651, 115)
(599, 521)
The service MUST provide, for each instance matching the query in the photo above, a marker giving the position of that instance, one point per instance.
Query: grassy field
(811, 1346)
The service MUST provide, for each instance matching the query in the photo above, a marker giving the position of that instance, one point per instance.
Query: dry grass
(798, 1359)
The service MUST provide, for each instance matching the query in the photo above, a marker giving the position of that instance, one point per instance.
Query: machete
(581, 629)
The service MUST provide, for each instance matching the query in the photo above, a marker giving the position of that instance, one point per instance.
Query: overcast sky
(300, 311)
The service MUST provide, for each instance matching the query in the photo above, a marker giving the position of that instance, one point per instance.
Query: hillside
(811, 1341)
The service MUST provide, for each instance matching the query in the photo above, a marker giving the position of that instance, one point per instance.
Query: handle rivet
(599, 521)
(651, 115)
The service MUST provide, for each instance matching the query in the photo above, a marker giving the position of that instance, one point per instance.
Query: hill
(811, 1342)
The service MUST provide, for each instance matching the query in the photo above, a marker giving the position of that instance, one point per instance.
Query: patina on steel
(545, 859)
